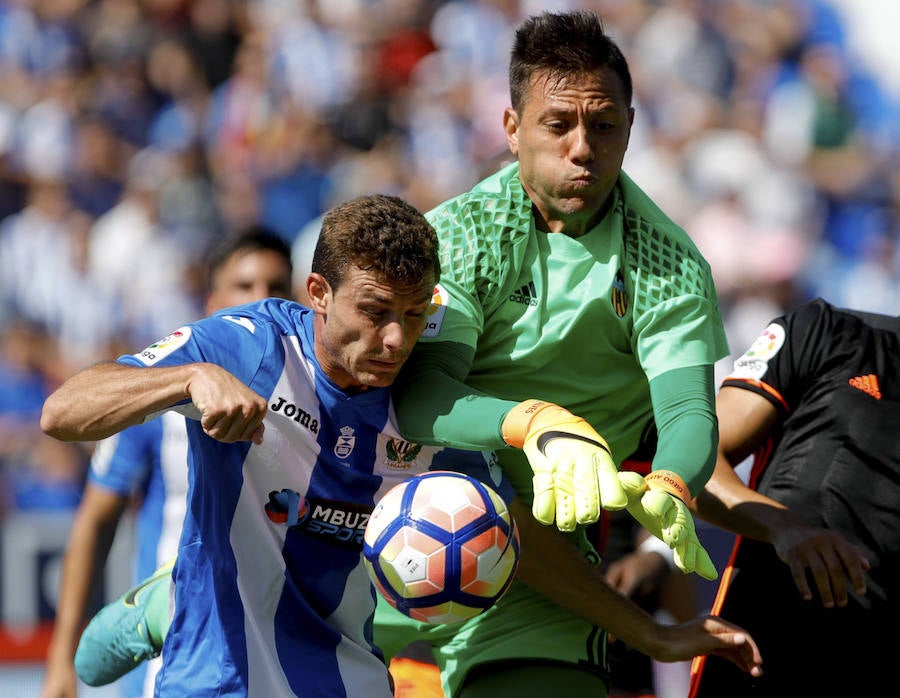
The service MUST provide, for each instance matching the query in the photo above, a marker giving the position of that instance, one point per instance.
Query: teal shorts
(524, 628)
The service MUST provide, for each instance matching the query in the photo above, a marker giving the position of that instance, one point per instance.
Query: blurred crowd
(134, 134)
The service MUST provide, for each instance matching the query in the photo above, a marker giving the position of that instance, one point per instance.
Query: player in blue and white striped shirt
(289, 421)
(149, 462)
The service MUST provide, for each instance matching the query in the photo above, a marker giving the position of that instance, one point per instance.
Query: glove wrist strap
(670, 482)
(517, 422)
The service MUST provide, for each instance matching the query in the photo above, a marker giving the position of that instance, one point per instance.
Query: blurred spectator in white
(474, 38)
(442, 150)
(134, 259)
(314, 51)
(755, 227)
(43, 277)
(187, 202)
(44, 143)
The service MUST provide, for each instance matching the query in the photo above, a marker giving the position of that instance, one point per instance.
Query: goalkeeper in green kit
(569, 306)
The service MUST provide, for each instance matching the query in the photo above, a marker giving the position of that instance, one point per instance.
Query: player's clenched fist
(229, 410)
(658, 504)
(574, 473)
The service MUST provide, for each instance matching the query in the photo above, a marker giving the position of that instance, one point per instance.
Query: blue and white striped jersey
(271, 596)
(149, 460)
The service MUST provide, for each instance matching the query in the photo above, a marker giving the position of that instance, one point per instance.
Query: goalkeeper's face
(366, 328)
(570, 135)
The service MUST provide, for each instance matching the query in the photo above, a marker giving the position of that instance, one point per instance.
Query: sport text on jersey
(295, 412)
(339, 523)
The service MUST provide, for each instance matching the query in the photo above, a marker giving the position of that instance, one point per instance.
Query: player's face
(249, 276)
(570, 137)
(366, 328)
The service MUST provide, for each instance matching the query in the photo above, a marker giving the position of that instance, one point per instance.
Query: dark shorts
(807, 649)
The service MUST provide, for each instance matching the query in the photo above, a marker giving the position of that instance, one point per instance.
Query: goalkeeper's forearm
(435, 407)
(684, 412)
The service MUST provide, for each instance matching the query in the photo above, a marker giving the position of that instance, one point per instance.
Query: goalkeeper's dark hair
(562, 45)
(379, 233)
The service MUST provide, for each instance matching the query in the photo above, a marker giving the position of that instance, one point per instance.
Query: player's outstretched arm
(552, 566)
(709, 635)
(103, 399)
(107, 397)
(836, 564)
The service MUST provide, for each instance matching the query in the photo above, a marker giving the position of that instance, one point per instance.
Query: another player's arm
(105, 398)
(745, 420)
(92, 534)
(555, 568)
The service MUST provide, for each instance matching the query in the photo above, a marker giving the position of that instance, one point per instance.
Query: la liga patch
(436, 311)
(165, 346)
(755, 361)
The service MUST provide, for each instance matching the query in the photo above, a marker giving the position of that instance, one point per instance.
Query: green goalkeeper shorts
(563, 653)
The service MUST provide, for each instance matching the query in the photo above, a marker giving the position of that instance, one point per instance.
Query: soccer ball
(441, 547)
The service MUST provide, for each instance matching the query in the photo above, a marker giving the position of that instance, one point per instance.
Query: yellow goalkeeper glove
(574, 473)
(658, 503)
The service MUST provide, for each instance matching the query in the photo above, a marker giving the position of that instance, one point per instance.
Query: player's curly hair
(379, 233)
(564, 45)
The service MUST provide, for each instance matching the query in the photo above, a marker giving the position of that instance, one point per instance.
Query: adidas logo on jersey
(527, 295)
(868, 384)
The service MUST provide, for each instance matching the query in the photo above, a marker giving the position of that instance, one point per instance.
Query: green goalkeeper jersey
(599, 324)
(584, 322)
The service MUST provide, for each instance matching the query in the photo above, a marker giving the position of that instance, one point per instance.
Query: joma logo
(298, 414)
